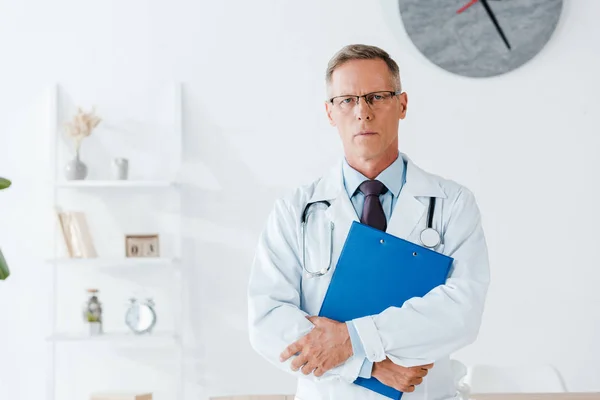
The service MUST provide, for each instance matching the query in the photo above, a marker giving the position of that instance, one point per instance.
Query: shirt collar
(391, 177)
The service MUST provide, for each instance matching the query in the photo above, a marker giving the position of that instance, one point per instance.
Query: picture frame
(142, 245)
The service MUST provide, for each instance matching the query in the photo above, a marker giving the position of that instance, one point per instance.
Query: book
(76, 234)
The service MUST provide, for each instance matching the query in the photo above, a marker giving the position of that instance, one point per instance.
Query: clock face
(479, 38)
(140, 317)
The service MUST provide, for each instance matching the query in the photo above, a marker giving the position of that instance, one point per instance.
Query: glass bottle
(92, 312)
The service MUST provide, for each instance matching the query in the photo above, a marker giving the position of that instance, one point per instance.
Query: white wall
(525, 143)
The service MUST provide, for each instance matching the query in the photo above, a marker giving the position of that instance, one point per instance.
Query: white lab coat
(422, 331)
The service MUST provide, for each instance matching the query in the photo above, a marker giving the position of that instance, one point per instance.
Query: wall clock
(478, 38)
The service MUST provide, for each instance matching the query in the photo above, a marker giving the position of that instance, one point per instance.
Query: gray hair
(363, 52)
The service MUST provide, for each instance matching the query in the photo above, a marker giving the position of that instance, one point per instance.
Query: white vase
(75, 169)
(95, 328)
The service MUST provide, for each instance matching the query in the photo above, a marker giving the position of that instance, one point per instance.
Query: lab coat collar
(391, 177)
(418, 183)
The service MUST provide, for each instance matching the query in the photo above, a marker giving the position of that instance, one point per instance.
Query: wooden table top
(535, 396)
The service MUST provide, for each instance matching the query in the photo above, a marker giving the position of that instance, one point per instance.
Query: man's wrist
(375, 370)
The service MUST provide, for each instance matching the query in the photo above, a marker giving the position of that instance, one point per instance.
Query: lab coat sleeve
(274, 316)
(448, 318)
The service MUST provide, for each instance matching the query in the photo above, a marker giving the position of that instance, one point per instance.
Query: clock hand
(495, 21)
(463, 8)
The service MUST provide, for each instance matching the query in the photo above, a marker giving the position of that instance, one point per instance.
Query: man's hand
(325, 347)
(400, 378)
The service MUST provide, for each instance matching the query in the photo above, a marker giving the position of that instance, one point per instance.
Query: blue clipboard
(377, 270)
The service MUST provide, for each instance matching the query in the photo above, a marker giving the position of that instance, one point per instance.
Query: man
(407, 348)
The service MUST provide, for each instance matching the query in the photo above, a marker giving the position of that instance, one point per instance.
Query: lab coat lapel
(342, 214)
(407, 213)
(341, 211)
(331, 188)
(411, 207)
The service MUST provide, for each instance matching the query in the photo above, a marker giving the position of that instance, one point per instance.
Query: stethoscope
(429, 237)
(303, 223)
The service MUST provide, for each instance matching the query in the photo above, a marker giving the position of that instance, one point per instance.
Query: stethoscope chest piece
(430, 238)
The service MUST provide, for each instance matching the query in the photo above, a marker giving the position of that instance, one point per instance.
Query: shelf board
(113, 184)
(123, 337)
(105, 262)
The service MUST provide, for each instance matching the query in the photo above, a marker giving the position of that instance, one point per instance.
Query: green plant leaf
(4, 183)
(4, 271)
(92, 318)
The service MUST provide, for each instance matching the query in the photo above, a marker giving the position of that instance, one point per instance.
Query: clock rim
(395, 20)
(130, 309)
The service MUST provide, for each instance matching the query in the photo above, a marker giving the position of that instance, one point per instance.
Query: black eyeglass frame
(357, 97)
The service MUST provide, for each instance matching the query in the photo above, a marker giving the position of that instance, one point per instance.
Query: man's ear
(403, 105)
(328, 110)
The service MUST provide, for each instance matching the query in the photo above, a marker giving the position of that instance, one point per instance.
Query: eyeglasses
(376, 100)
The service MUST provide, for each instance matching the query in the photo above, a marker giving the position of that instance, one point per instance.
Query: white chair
(514, 379)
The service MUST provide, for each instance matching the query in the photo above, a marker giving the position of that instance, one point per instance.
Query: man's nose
(362, 110)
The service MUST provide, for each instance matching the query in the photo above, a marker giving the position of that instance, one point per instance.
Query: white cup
(120, 168)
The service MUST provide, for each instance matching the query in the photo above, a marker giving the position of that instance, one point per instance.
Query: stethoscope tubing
(323, 271)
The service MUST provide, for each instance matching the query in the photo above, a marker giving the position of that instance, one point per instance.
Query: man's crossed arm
(328, 345)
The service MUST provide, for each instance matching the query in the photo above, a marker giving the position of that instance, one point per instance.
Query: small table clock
(140, 316)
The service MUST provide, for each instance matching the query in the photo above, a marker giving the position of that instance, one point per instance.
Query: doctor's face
(368, 126)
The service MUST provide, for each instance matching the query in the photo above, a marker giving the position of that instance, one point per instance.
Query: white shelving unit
(60, 264)
(108, 262)
(101, 184)
(159, 338)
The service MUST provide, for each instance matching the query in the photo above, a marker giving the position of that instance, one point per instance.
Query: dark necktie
(372, 213)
